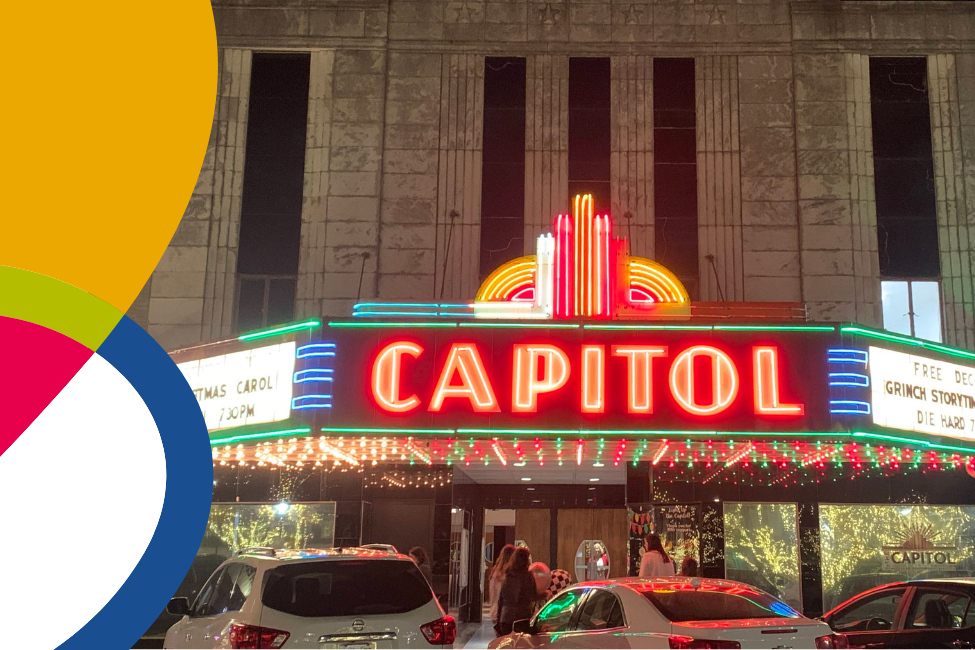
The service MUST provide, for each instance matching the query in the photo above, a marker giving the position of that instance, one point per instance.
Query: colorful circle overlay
(51, 332)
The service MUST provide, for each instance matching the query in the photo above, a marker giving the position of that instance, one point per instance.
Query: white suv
(339, 598)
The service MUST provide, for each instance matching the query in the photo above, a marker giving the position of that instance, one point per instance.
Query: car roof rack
(257, 550)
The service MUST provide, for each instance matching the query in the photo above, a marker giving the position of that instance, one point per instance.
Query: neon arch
(579, 271)
(510, 281)
(652, 280)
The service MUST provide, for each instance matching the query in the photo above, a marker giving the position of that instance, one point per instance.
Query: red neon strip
(563, 266)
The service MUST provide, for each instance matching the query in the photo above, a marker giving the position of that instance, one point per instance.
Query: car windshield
(681, 602)
(346, 588)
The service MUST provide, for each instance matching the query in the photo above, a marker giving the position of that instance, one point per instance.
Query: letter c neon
(386, 377)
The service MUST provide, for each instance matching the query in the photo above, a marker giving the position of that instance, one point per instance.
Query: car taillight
(442, 631)
(252, 636)
(833, 641)
(690, 643)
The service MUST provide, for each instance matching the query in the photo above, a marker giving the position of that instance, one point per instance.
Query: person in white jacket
(655, 561)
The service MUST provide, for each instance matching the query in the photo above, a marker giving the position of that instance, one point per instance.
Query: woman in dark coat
(518, 592)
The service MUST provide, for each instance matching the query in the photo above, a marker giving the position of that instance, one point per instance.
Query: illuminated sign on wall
(248, 387)
(921, 394)
(555, 378)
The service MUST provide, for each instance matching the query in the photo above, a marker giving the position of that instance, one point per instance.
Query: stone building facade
(786, 200)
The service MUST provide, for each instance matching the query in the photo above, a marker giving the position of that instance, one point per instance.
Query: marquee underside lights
(773, 461)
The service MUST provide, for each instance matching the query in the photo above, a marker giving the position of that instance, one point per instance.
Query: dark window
(940, 610)
(226, 591)
(874, 612)
(602, 611)
(557, 614)
(678, 603)
(675, 168)
(200, 606)
(270, 220)
(589, 131)
(503, 163)
(907, 222)
(346, 588)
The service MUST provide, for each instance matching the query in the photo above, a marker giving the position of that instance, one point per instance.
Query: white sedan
(668, 613)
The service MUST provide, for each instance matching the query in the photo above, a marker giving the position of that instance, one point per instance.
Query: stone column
(719, 179)
(459, 182)
(770, 245)
(838, 222)
(407, 237)
(354, 155)
(546, 144)
(314, 214)
(631, 135)
(956, 216)
(191, 293)
(863, 200)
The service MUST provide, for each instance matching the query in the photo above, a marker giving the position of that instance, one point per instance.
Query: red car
(915, 614)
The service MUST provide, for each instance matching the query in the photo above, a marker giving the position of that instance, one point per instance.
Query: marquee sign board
(240, 388)
(577, 378)
(922, 394)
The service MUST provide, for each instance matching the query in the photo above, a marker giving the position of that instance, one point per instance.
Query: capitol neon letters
(464, 360)
(527, 385)
(386, 372)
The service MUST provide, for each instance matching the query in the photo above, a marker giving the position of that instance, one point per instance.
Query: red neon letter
(526, 383)
(640, 382)
(593, 378)
(465, 360)
(386, 375)
(724, 377)
(766, 370)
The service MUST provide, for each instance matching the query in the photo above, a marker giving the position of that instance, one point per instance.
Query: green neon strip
(362, 430)
(776, 328)
(913, 441)
(651, 432)
(56, 305)
(279, 330)
(648, 327)
(255, 436)
(906, 340)
(375, 324)
(514, 325)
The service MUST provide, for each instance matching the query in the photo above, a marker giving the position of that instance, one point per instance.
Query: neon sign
(703, 381)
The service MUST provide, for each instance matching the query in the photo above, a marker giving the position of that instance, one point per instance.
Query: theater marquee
(922, 394)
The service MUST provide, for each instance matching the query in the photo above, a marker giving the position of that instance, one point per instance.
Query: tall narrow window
(675, 169)
(270, 220)
(503, 163)
(589, 130)
(907, 220)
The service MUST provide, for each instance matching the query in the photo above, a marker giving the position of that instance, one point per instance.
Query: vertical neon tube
(578, 227)
(563, 267)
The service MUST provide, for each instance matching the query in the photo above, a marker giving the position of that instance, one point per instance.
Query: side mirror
(178, 606)
(524, 626)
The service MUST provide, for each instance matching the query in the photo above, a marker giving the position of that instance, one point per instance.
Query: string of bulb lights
(705, 461)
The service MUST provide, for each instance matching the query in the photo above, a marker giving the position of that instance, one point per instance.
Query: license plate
(349, 646)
